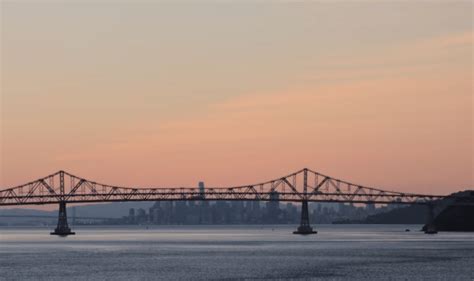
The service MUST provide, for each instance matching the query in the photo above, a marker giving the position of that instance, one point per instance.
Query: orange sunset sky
(167, 94)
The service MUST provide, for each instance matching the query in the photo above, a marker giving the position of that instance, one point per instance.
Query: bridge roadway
(302, 186)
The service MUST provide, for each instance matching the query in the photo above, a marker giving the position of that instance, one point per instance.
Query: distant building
(141, 216)
(273, 207)
(180, 211)
(370, 208)
(202, 190)
(131, 215)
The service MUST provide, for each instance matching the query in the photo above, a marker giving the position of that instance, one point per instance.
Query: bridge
(302, 186)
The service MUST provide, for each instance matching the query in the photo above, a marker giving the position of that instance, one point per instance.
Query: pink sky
(171, 94)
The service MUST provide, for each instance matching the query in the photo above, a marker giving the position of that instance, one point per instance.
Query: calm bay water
(337, 252)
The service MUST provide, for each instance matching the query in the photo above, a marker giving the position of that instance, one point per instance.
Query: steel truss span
(304, 185)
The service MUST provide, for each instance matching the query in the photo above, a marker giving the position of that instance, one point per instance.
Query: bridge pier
(304, 227)
(63, 228)
(430, 227)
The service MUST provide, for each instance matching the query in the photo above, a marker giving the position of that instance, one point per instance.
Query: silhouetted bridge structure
(302, 186)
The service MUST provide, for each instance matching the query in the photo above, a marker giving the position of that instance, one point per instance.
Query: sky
(379, 93)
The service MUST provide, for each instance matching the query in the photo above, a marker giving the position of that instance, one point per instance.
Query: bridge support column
(430, 227)
(62, 229)
(304, 227)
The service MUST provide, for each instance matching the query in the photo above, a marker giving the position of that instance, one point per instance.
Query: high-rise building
(273, 207)
(202, 190)
(370, 208)
(131, 215)
(181, 208)
(141, 215)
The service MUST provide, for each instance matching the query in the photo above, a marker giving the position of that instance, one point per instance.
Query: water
(337, 252)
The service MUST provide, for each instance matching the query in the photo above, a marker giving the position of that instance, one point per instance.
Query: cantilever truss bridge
(302, 186)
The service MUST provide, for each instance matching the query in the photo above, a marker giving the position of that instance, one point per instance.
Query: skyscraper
(201, 189)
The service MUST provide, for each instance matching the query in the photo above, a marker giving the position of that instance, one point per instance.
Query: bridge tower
(62, 228)
(305, 227)
(430, 227)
